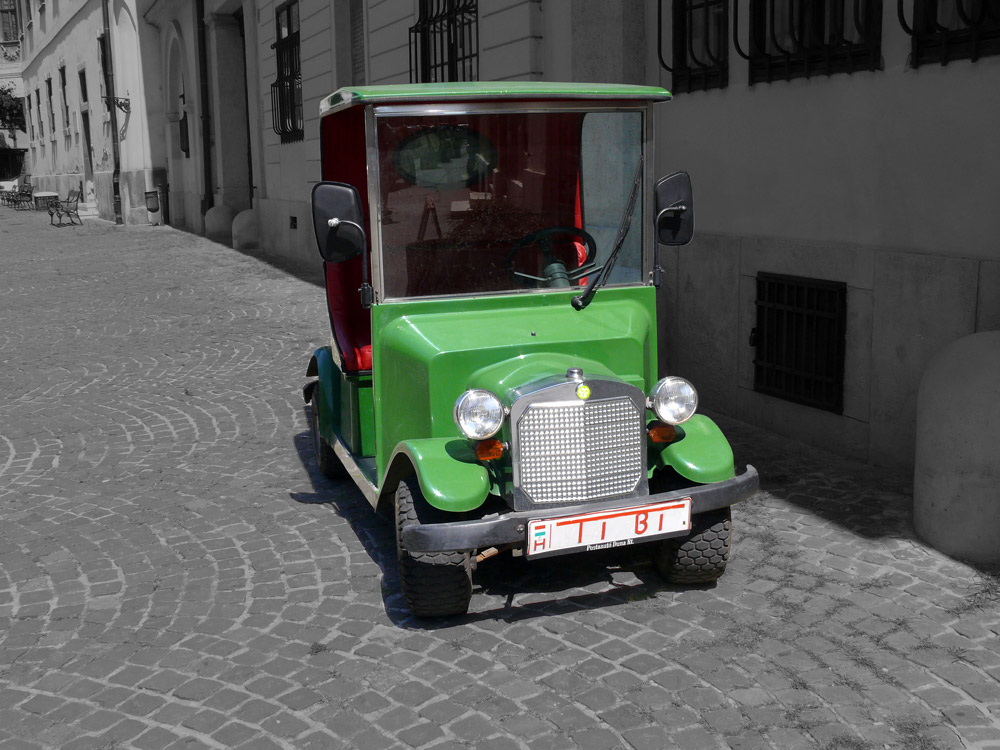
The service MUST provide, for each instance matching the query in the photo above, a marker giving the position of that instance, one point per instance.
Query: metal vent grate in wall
(799, 338)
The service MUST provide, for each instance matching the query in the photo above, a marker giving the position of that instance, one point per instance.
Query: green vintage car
(491, 255)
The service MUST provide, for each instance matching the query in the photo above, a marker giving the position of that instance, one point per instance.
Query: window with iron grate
(286, 91)
(946, 30)
(800, 340)
(789, 39)
(700, 35)
(444, 42)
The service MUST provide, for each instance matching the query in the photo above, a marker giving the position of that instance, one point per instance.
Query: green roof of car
(486, 90)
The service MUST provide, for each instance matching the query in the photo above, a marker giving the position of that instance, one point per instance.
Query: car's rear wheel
(326, 458)
(702, 556)
(434, 584)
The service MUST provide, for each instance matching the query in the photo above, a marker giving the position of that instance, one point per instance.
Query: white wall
(885, 180)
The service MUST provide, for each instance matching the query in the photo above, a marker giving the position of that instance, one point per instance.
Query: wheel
(434, 584)
(700, 557)
(556, 275)
(326, 459)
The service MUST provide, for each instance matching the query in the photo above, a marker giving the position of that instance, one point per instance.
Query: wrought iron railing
(798, 39)
(799, 340)
(700, 36)
(444, 42)
(286, 91)
(946, 30)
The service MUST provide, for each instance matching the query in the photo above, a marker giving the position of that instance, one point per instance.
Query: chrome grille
(579, 451)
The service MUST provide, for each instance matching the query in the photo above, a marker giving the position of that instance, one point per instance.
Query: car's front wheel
(434, 584)
(702, 556)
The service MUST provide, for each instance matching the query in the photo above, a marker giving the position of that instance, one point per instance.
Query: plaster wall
(169, 33)
(884, 180)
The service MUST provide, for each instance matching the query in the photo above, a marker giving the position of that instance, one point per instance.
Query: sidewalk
(176, 573)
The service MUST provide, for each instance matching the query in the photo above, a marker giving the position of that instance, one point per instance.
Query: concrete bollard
(956, 486)
(219, 224)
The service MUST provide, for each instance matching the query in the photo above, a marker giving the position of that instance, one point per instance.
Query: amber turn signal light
(662, 433)
(489, 450)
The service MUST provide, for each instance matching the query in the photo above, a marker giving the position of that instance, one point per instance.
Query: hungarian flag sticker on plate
(617, 527)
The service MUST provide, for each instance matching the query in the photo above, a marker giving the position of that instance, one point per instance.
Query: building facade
(13, 141)
(847, 205)
(86, 105)
(842, 154)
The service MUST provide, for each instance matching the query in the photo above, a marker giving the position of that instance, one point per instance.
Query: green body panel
(471, 90)
(427, 352)
(450, 477)
(701, 452)
(346, 405)
(357, 414)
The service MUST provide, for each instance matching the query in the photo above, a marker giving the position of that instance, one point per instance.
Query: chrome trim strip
(374, 203)
(648, 233)
(369, 490)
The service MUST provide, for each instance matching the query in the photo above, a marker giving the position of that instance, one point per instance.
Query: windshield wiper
(600, 278)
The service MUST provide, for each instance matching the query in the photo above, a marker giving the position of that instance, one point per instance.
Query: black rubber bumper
(510, 528)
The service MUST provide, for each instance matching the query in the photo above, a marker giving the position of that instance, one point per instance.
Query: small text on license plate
(617, 527)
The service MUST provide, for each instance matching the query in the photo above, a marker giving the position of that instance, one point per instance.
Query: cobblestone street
(176, 573)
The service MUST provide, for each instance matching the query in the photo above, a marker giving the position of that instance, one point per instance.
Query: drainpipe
(206, 123)
(109, 83)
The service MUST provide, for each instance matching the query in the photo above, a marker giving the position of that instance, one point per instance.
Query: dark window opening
(83, 86)
(11, 163)
(105, 60)
(65, 101)
(286, 91)
(27, 116)
(38, 112)
(444, 42)
(945, 30)
(52, 111)
(802, 38)
(800, 340)
(700, 34)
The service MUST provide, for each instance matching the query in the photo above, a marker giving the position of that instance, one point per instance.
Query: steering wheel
(556, 276)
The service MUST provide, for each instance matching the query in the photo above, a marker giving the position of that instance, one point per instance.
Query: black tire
(700, 557)
(434, 584)
(326, 459)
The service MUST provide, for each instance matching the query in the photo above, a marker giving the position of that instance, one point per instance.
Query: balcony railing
(946, 30)
(798, 39)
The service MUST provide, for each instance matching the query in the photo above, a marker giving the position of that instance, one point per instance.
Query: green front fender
(700, 453)
(450, 476)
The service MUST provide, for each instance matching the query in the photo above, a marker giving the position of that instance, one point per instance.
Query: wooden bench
(68, 207)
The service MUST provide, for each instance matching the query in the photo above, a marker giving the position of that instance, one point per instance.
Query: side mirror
(338, 221)
(674, 208)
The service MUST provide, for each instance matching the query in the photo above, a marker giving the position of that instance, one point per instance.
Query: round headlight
(478, 414)
(674, 400)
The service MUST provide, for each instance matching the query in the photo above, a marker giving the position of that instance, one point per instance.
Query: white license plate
(618, 527)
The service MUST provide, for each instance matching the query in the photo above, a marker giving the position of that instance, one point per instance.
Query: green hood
(427, 352)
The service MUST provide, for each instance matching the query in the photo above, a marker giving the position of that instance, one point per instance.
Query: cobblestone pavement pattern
(175, 572)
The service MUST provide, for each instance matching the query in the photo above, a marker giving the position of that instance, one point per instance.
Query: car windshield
(495, 202)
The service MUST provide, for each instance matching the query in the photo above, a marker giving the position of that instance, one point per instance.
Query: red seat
(351, 323)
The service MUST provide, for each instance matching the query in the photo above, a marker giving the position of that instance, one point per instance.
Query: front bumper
(510, 528)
